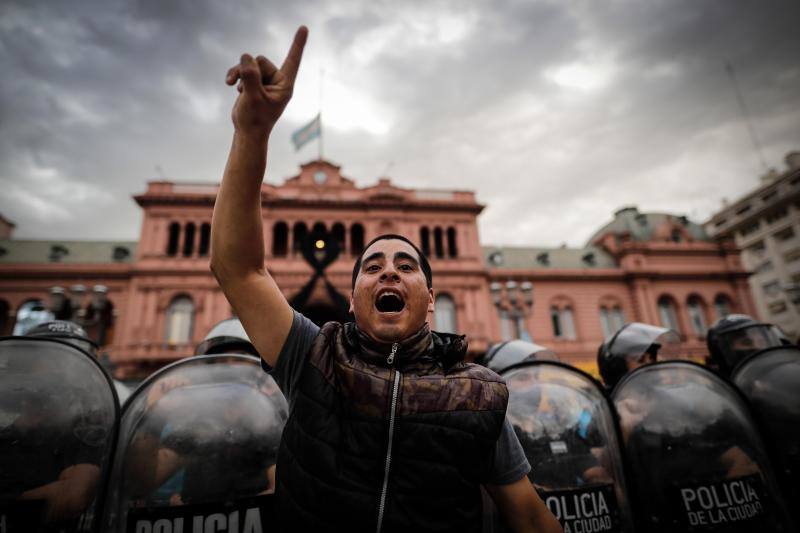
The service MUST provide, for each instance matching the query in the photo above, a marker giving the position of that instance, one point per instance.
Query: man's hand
(264, 89)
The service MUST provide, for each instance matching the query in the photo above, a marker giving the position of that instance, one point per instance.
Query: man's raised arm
(237, 240)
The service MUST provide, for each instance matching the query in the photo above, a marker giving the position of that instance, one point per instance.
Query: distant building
(655, 268)
(765, 225)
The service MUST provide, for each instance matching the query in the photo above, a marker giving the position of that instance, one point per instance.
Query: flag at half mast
(307, 133)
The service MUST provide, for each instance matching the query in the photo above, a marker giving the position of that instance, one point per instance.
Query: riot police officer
(505, 354)
(66, 331)
(632, 346)
(734, 337)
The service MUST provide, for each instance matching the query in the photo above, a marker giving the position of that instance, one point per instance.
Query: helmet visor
(740, 343)
(636, 341)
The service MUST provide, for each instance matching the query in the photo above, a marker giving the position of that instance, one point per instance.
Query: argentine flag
(307, 133)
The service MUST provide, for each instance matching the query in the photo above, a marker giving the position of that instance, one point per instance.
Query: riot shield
(770, 380)
(566, 427)
(58, 423)
(695, 459)
(503, 355)
(197, 449)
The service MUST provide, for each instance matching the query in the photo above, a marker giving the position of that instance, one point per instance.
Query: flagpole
(321, 79)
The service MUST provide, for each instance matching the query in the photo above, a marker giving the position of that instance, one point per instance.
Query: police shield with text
(770, 380)
(694, 457)
(58, 422)
(505, 354)
(632, 346)
(566, 427)
(732, 338)
(197, 449)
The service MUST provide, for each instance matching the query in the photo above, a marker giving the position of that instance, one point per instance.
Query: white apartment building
(765, 225)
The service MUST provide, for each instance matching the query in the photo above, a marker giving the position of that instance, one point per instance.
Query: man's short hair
(423, 261)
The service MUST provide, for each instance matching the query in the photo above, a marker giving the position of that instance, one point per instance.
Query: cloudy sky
(555, 112)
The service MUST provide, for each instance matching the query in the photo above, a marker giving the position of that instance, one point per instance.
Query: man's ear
(431, 300)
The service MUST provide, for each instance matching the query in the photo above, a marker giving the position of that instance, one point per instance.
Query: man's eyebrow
(370, 257)
(406, 255)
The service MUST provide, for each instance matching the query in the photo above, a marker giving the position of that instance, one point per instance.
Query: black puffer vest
(401, 440)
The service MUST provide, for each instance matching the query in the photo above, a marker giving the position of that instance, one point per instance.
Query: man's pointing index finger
(292, 61)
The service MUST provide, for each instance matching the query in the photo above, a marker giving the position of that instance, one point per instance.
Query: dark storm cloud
(556, 113)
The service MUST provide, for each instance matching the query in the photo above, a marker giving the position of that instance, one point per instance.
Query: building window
(611, 320)
(777, 215)
(31, 314)
(506, 325)
(188, 239)
(452, 248)
(766, 266)
(280, 239)
(792, 255)
(697, 315)
(777, 308)
(299, 234)
(668, 314)
(757, 248)
(205, 239)
(172, 241)
(722, 304)
(563, 323)
(444, 314)
(338, 236)
(747, 230)
(356, 239)
(425, 240)
(742, 210)
(438, 242)
(773, 288)
(180, 320)
(784, 234)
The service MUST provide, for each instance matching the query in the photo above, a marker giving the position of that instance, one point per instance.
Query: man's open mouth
(389, 302)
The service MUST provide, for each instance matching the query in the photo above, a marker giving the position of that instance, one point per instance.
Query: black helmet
(227, 336)
(734, 337)
(66, 331)
(631, 344)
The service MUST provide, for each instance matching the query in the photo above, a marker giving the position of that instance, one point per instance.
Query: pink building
(162, 298)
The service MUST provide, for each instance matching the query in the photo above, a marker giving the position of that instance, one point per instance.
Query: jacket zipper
(393, 409)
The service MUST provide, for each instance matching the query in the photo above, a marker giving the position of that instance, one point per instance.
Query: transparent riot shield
(771, 381)
(695, 459)
(58, 423)
(197, 449)
(506, 354)
(566, 427)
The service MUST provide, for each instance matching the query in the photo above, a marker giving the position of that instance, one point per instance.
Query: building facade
(151, 301)
(765, 225)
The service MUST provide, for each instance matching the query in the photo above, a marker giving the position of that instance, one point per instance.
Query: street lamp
(68, 305)
(515, 301)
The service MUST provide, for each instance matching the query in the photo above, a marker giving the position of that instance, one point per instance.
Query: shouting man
(389, 429)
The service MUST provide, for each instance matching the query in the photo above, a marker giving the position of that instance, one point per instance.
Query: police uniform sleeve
(510, 463)
(293, 354)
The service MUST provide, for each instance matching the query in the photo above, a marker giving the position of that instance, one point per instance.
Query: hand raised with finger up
(264, 89)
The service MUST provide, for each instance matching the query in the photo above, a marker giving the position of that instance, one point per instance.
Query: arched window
(668, 313)
(318, 228)
(506, 325)
(452, 246)
(280, 239)
(338, 236)
(611, 319)
(444, 314)
(563, 323)
(31, 314)
(722, 305)
(697, 315)
(356, 239)
(205, 239)
(172, 241)
(188, 239)
(425, 240)
(299, 234)
(179, 321)
(438, 242)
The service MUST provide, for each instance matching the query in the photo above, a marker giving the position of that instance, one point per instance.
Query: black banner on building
(590, 509)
